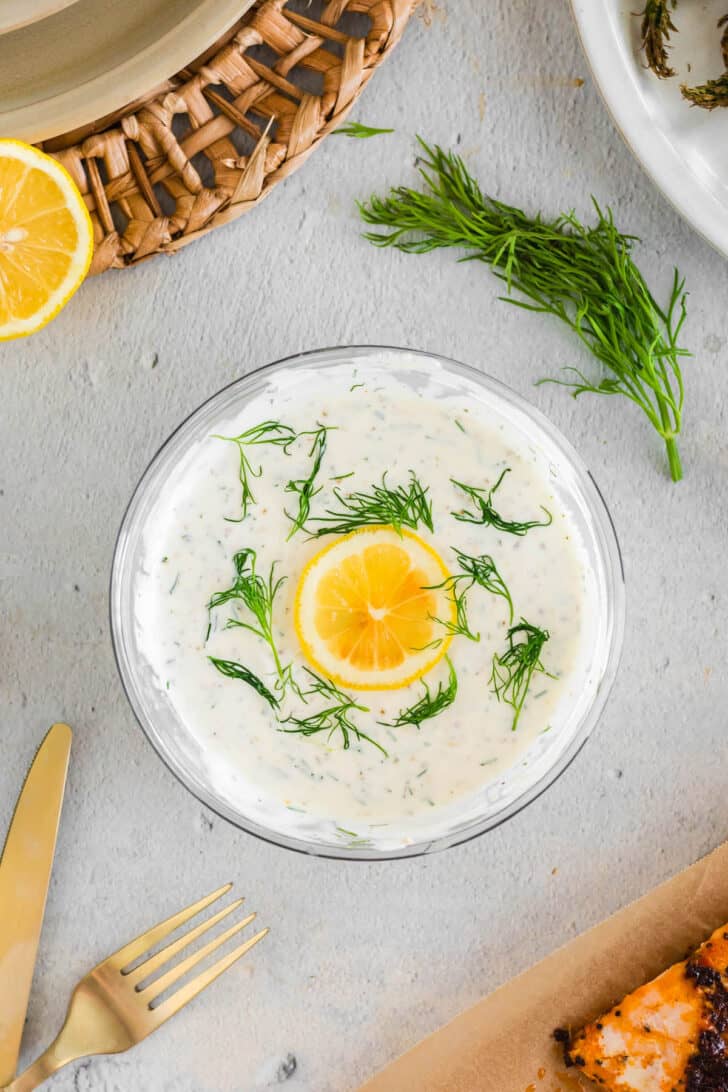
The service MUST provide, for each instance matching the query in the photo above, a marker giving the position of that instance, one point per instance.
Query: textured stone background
(362, 959)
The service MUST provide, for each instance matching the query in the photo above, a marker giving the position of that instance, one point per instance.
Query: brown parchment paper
(504, 1043)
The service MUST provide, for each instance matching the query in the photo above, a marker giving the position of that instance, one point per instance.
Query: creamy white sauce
(440, 773)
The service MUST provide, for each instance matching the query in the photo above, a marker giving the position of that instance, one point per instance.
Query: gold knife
(25, 870)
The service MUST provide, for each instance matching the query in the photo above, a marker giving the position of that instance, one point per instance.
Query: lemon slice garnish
(46, 238)
(367, 607)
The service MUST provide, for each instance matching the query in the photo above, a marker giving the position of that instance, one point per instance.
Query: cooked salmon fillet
(668, 1036)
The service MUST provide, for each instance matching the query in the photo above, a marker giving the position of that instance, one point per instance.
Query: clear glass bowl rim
(614, 573)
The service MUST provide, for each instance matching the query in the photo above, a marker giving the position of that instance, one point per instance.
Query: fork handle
(50, 1061)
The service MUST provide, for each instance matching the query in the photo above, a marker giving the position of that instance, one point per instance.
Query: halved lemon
(366, 609)
(46, 238)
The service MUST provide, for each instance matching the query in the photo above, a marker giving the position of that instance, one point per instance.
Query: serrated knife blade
(25, 870)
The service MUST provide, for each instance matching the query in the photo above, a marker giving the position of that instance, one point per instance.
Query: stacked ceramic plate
(66, 63)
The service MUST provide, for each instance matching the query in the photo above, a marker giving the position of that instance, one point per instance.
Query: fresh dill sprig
(513, 669)
(257, 596)
(305, 488)
(334, 717)
(356, 129)
(430, 704)
(461, 626)
(287, 681)
(712, 93)
(486, 514)
(403, 506)
(233, 670)
(479, 570)
(475, 570)
(482, 571)
(267, 432)
(585, 276)
(657, 25)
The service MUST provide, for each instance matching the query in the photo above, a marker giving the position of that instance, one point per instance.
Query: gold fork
(111, 1008)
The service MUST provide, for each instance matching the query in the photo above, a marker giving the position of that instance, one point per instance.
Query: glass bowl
(574, 487)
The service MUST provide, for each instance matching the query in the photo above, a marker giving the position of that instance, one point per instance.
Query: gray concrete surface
(363, 959)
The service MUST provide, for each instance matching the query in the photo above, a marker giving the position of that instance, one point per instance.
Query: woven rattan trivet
(209, 144)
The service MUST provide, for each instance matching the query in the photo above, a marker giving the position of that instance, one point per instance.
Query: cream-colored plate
(20, 13)
(683, 148)
(97, 55)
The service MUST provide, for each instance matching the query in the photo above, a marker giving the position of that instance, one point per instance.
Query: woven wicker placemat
(209, 144)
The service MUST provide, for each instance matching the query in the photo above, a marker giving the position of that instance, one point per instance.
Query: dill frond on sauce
(257, 596)
(334, 718)
(305, 488)
(487, 515)
(584, 276)
(267, 432)
(513, 669)
(461, 626)
(233, 670)
(404, 506)
(482, 570)
(479, 570)
(430, 704)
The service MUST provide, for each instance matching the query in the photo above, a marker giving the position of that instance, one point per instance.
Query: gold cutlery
(25, 870)
(115, 1006)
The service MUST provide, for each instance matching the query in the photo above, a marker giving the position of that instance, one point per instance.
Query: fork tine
(149, 966)
(143, 943)
(159, 985)
(189, 991)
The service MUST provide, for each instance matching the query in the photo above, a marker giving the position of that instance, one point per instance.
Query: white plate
(20, 13)
(683, 148)
(95, 56)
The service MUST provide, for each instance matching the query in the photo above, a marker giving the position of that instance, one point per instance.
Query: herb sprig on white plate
(655, 31)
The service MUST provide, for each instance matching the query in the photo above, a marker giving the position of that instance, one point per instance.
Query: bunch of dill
(584, 275)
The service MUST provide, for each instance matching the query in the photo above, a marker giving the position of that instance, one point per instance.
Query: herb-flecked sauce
(189, 545)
